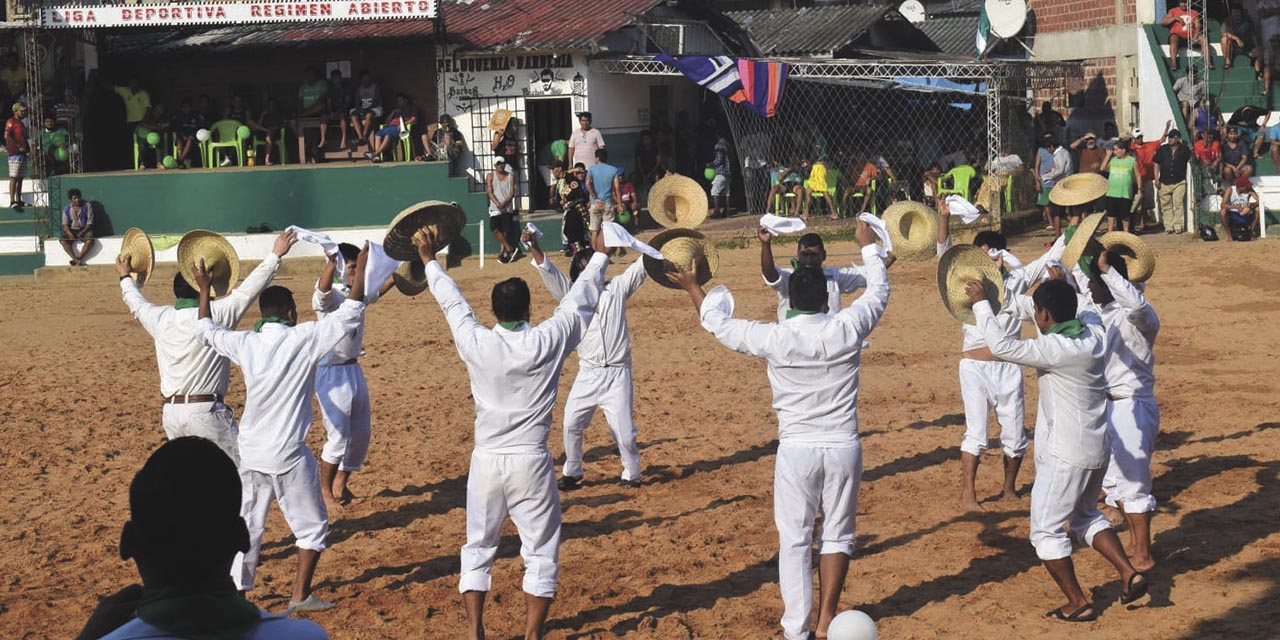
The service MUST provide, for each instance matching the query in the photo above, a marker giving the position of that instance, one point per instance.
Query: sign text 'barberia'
(156, 15)
(504, 63)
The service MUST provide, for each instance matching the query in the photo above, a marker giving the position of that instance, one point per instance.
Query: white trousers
(522, 486)
(344, 405)
(212, 421)
(297, 491)
(1132, 424)
(806, 480)
(986, 385)
(610, 389)
(1063, 494)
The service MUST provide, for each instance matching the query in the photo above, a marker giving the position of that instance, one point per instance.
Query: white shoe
(226, 162)
(312, 603)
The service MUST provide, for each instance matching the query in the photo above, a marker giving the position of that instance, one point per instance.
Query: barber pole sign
(222, 13)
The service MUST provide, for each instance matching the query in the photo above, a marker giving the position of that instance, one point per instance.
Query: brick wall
(1053, 16)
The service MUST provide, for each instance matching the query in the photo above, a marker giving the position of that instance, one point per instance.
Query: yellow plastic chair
(224, 135)
(959, 177)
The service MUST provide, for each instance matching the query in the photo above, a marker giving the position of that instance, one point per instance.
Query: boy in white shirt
(278, 360)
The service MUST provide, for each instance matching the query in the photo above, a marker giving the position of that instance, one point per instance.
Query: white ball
(852, 625)
(203, 135)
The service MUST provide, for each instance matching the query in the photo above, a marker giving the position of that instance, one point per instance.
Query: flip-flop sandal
(1079, 615)
(1134, 591)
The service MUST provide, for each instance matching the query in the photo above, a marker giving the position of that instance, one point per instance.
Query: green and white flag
(984, 31)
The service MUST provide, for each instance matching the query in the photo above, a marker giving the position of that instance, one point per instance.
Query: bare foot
(347, 497)
(1142, 565)
(1009, 495)
(332, 506)
(969, 505)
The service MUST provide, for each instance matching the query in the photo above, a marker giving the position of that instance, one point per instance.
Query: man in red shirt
(15, 144)
(1208, 152)
(1145, 153)
(1184, 25)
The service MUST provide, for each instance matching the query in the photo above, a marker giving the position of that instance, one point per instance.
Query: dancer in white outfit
(810, 252)
(813, 361)
(514, 369)
(604, 366)
(1071, 440)
(278, 360)
(194, 377)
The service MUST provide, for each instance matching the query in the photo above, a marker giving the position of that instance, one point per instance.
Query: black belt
(193, 399)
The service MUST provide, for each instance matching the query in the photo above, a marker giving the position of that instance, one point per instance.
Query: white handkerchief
(1010, 261)
(1054, 263)
(616, 236)
(778, 225)
(323, 239)
(963, 208)
(377, 269)
(881, 230)
(531, 228)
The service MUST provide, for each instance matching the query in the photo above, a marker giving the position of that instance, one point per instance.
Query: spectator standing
(1184, 25)
(1144, 152)
(1188, 92)
(500, 187)
(584, 142)
(723, 167)
(446, 143)
(267, 127)
(340, 99)
(1171, 180)
(755, 162)
(49, 132)
(185, 125)
(17, 146)
(1208, 153)
(1236, 159)
(605, 190)
(367, 106)
(649, 165)
(506, 143)
(1269, 15)
(1122, 178)
(77, 226)
(1240, 211)
(1091, 154)
(1050, 121)
(1238, 37)
(1053, 163)
(136, 104)
(13, 75)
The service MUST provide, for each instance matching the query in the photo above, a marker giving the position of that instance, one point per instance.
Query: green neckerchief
(512, 326)
(1070, 328)
(791, 313)
(257, 326)
(795, 264)
(186, 303)
(207, 612)
(1085, 262)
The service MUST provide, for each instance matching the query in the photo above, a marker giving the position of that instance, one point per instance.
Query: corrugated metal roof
(955, 34)
(808, 31)
(481, 25)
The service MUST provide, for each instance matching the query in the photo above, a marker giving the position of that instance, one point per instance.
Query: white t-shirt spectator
(1270, 24)
(584, 144)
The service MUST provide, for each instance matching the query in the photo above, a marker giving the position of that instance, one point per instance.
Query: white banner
(215, 13)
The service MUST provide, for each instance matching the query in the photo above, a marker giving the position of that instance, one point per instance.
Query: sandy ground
(692, 554)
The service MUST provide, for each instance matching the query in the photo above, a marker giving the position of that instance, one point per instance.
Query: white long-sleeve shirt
(189, 367)
(1131, 324)
(1070, 425)
(279, 367)
(1015, 285)
(841, 281)
(352, 344)
(607, 342)
(514, 374)
(813, 360)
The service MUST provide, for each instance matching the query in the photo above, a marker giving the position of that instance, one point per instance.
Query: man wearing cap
(514, 368)
(813, 357)
(604, 366)
(1240, 211)
(1170, 163)
(279, 359)
(1144, 152)
(183, 533)
(18, 147)
(1090, 152)
(500, 187)
(193, 376)
(584, 142)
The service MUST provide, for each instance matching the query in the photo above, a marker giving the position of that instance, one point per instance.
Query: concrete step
(17, 264)
(18, 228)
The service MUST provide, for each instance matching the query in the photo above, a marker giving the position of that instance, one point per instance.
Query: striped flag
(984, 31)
(756, 84)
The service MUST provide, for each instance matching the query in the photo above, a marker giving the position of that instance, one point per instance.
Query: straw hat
(677, 202)
(410, 278)
(1082, 242)
(498, 121)
(961, 265)
(913, 227)
(446, 218)
(142, 254)
(682, 247)
(1078, 189)
(219, 257)
(1138, 258)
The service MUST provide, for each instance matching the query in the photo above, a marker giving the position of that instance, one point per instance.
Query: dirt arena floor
(692, 554)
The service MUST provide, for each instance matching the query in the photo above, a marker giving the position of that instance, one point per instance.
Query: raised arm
(461, 319)
(578, 307)
(228, 311)
(744, 336)
(867, 310)
(627, 284)
(1037, 352)
(767, 268)
(325, 299)
(226, 342)
(1130, 298)
(147, 314)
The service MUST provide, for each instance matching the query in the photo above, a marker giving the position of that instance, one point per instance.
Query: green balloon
(243, 132)
(141, 133)
(710, 173)
(169, 162)
(61, 154)
(624, 217)
(153, 138)
(559, 149)
(58, 139)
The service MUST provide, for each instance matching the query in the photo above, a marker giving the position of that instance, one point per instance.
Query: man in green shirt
(312, 94)
(1120, 166)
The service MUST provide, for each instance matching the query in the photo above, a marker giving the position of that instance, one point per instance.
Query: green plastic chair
(406, 142)
(281, 147)
(959, 176)
(1008, 194)
(223, 136)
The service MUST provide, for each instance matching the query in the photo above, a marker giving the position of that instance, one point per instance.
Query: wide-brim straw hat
(1081, 240)
(682, 247)
(446, 218)
(961, 265)
(1078, 189)
(1139, 261)
(410, 278)
(142, 254)
(498, 121)
(220, 260)
(913, 227)
(678, 202)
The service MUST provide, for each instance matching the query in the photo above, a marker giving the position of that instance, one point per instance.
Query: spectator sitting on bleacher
(1208, 153)
(367, 105)
(77, 226)
(266, 128)
(50, 132)
(185, 125)
(1206, 117)
(1270, 137)
(1240, 211)
(339, 99)
(405, 114)
(1182, 23)
(1238, 37)
(1188, 93)
(238, 111)
(1237, 162)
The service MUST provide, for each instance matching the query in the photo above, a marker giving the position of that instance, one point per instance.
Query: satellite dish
(1007, 17)
(913, 11)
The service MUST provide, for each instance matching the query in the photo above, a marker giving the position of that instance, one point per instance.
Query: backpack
(1208, 234)
(1241, 234)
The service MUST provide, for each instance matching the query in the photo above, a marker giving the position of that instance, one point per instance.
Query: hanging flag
(763, 82)
(715, 73)
(756, 84)
(984, 31)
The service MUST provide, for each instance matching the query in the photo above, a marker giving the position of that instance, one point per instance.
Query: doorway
(546, 120)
